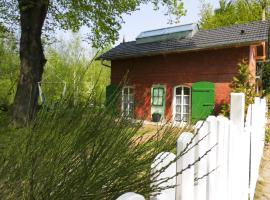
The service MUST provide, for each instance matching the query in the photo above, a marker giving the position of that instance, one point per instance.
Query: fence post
(164, 161)
(237, 110)
(258, 123)
(239, 152)
(130, 196)
(185, 180)
(212, 158)
(222, 157)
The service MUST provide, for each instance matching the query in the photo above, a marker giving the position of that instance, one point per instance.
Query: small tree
(244, 82)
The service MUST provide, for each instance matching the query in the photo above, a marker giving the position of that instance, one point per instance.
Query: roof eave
(233, 45)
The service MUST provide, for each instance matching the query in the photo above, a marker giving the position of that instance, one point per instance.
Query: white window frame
(182, 105)
(129, 101)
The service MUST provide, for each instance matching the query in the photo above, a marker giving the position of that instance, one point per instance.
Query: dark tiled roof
(203, 39)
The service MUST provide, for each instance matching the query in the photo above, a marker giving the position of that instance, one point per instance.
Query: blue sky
(147, 19)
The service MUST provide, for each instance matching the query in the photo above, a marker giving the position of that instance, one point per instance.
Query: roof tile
(203, 39)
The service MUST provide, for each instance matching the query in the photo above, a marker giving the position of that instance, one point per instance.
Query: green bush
(78, 152)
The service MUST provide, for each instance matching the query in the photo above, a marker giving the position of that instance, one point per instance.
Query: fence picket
(185, 181)
(161, 161)
(131, 196)
(222, 157)
(235, 159)
(201, 167)
(212, 158)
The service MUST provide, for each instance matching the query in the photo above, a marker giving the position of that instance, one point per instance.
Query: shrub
(78, 152)
(243, 82)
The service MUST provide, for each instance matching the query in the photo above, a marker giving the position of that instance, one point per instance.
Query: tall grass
(78, 152)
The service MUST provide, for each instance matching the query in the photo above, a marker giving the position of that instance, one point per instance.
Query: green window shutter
(112, 96)
(203, 100)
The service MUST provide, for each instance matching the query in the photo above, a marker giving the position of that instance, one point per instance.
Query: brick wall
(218, 66)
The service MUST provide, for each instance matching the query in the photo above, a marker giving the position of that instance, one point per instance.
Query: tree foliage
(70, 67)
(9, 69)
(103, 18)
(244, 82)
(68, 64)
(231, 12)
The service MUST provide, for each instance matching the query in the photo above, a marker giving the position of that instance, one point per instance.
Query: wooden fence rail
(229, 153)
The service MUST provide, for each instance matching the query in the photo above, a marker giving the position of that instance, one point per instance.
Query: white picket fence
(226, 153)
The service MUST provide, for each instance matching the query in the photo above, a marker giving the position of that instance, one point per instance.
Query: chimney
(124, 39)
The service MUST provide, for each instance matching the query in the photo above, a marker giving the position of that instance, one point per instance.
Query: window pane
(185, 117)
(155, 100)
(160, 101)
(179, 91)
(160, 93)
(130, 98)
(186, 109)
(178, 109)
(177, 117)
(125, 90)
(186, 91)
(125, 105)
(186, 100)
(130, 90)
(131, 108)
(155, 92)
(178, 100)
(125, 98)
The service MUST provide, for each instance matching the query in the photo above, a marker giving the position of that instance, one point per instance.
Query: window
(181, 104)
(158, 96)
(128, 101)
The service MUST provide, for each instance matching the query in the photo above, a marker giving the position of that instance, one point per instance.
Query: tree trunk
(32, 16)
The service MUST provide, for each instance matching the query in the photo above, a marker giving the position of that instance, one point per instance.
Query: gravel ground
(263, 184)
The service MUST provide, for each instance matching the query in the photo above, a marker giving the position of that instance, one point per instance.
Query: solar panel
(167, 33)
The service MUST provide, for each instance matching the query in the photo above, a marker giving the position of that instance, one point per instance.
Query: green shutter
(203, 100)
(112, 97)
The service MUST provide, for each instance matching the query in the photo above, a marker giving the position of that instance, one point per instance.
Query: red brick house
(183, 72)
